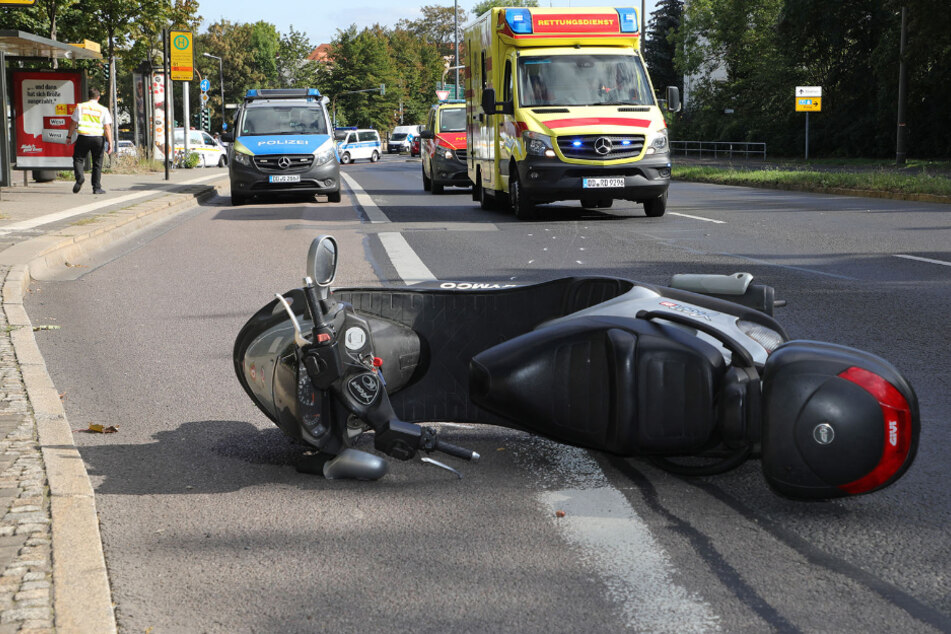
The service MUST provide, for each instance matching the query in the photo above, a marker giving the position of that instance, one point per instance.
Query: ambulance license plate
(594, 183)
(284, 178)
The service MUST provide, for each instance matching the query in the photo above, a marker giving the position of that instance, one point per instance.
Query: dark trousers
(85, 145)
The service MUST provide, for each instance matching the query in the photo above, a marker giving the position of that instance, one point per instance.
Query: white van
(360, 144)
(402, 138)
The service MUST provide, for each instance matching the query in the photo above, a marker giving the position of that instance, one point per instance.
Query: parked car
(210, 152)
(414, 150)
(125, 148)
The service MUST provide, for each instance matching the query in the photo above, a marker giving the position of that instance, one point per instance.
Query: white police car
(360, 144)
(282, 143)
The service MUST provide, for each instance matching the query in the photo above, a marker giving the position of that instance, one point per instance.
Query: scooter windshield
(583, 80)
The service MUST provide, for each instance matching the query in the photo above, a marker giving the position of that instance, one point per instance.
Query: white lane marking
(919, 259)
(408, 265)
(719, 222)
(374, 213)
(636, 570)
(99, 204)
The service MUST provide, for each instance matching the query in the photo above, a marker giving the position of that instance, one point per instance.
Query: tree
(293, 66)
(660, 47)
(265, 42)
(436, 26)
(485, 5)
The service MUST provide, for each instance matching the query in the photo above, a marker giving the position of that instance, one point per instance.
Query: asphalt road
(207, 527)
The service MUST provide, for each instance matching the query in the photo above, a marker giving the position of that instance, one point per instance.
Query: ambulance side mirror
(488, 101)
(673, 99)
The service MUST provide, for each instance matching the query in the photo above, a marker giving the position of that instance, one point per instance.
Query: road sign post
(808, 99)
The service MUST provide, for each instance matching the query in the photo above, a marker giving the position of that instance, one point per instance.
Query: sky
(320, 19)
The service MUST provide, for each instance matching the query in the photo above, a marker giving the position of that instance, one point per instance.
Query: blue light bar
(519, 20)
(281, 93)
(628, 20)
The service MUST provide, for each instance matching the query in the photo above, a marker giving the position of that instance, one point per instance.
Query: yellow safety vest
(92, 118)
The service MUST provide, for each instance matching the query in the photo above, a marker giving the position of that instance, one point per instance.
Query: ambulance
(443, 147)
(559, 106)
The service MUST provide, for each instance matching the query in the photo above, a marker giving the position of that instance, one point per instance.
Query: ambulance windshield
(452, 120)
(273, 119)
(583, 80)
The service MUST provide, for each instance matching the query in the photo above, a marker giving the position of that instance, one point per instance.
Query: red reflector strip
(583, 121)
(896, 415)
(323, 337)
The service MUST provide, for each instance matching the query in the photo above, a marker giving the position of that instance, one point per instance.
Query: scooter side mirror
(322, 261)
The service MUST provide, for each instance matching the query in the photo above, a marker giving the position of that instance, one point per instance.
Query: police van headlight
(324, 153)
(242, 155)
(538, 144)
(658, 144)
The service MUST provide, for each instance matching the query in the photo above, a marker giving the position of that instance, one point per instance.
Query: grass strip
(874, 180)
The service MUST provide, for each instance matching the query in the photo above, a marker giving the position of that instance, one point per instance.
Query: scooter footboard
(621, 385)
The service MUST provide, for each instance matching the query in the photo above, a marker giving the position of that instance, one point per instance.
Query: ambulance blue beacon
(282, 144)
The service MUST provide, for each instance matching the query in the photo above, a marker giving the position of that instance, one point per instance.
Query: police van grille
(272, 162)
(587, 151)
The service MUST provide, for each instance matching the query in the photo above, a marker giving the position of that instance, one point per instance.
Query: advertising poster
(43, 101)
(158, 116)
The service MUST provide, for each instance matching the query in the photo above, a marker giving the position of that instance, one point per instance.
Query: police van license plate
(592, 183)
(284, 178)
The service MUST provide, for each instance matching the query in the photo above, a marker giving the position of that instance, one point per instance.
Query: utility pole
(455, 15)
(902, 134)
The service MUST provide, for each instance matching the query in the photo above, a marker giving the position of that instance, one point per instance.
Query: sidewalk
(52, 571)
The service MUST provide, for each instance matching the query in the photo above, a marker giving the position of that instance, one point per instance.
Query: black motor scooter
(699, 370)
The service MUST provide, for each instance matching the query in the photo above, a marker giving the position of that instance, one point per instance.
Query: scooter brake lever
(299, 338)
(441, 465)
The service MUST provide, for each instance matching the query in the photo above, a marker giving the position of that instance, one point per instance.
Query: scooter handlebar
(456, 451)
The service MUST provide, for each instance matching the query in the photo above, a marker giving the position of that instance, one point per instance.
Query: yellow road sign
(181, 55)
(808, 104)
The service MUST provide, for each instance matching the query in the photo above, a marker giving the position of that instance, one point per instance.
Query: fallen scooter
(677, 374)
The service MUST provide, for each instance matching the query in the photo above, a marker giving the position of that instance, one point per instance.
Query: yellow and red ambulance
(443, 147)
(559, 106)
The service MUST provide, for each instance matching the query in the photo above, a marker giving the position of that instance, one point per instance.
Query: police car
(282, 143)
(359, 144)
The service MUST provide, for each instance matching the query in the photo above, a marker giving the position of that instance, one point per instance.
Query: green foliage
(485, 5)
(659, 45)
(765, 48)
(437, 26)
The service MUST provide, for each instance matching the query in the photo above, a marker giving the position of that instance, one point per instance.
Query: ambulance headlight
(537, 144)
(658, 144)
(448, 155)
(324, 153)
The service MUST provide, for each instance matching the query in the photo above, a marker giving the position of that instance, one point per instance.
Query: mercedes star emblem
(603, 145)
(283, 162)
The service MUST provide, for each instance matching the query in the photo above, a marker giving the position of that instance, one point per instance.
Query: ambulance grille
(461, 154)
(584, 146)
(295, 162)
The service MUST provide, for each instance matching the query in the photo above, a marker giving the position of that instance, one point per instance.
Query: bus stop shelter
(23, 45)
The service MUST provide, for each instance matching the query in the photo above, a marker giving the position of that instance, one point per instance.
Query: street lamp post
(221, 84)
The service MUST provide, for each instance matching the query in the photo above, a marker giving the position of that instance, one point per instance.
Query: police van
(282, 143)
(360, 144)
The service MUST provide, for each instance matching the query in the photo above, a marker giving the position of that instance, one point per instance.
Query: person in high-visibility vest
(94, 125)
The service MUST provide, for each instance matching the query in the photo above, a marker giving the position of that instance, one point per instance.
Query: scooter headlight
(766, 337)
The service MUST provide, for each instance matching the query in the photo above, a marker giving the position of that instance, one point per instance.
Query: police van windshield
(583, 80)
(452, 120)
(273, 120)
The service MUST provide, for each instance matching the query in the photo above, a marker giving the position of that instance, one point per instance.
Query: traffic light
(205, 120)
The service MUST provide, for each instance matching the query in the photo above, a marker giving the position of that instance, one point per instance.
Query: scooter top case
(837, 421)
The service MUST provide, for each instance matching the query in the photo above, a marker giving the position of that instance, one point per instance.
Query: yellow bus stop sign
(181, 55)
(808, 104)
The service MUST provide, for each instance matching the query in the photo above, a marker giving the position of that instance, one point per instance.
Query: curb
(82, 597)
